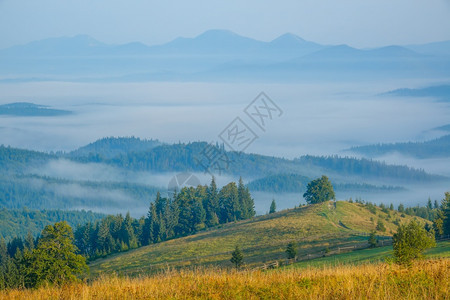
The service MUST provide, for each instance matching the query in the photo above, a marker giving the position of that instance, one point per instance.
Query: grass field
(371, 255)
(263, 239)
(424, 280)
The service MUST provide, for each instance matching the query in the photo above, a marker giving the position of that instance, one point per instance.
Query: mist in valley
(319, 118)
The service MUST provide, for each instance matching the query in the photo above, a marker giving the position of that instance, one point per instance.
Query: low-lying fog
(317, 119)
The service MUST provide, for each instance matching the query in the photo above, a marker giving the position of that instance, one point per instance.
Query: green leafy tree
(319, 190)
(237, 258)
(54, 260)
(273, 207)
(401, 208)
(373, 241)
(291, 250)
(410, 241)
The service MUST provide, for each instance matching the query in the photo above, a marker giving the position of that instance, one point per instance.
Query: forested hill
(112, 146)
(20, 222)
(28, 177)
(13, 159)
(186, 157)
(294, 183)
(437, 148)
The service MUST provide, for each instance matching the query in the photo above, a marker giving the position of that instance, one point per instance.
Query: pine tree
(29, 241)
(273, 207)
(429, 204)
(401, 208)
(291, 250)
(445, 207)
(229, 203)
(237, 258)
(373, 239)
(212, 204)
(246, 203)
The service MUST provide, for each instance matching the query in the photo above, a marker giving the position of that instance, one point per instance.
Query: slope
(262, 239)
(437, 148)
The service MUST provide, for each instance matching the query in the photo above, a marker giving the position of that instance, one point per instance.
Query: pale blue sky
(359, 23)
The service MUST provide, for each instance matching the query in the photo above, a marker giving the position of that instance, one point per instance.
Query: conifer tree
(273, 207)
(237, 258)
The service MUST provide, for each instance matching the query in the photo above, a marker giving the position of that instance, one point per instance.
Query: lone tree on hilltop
(319, 190)
(410, 241)
(237, 258)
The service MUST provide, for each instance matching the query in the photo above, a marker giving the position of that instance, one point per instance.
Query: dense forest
(20, 222)
(40, 192)
(188, 211)
(23, 183)
(112, 147)
(367, 168)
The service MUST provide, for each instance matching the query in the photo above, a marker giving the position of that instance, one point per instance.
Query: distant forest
(20, 187)
(20, 222)
(294, 183)
(437, 148)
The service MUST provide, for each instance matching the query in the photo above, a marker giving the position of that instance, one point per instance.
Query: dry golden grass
(424, 280)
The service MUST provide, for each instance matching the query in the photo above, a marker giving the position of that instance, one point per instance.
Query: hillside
(262, 239)
(294, 183)
(31, 110)
(440, 92)
(437, 148)
(113, 146)
(111, 173)
(20, 222)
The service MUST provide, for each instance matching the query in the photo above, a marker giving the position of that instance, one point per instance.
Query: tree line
(184, 213)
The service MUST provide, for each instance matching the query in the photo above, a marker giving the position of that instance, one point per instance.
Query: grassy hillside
(369, 255)
(262, 240)
(424, 280)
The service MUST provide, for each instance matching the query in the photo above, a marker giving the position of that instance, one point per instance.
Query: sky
(357, 23)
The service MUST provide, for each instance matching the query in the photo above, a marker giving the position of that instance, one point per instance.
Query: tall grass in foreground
(424, 280)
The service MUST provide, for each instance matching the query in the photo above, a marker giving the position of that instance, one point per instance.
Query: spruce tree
(237, 258)
(212, 205)
(229, 203)
(273, 207)
(445, 208)
(291, 250)
(373, 239)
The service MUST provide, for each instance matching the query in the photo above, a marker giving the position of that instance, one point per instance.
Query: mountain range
(217, 55)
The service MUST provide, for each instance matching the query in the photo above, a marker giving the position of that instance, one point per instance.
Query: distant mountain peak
(218, 32)
(288, 37)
